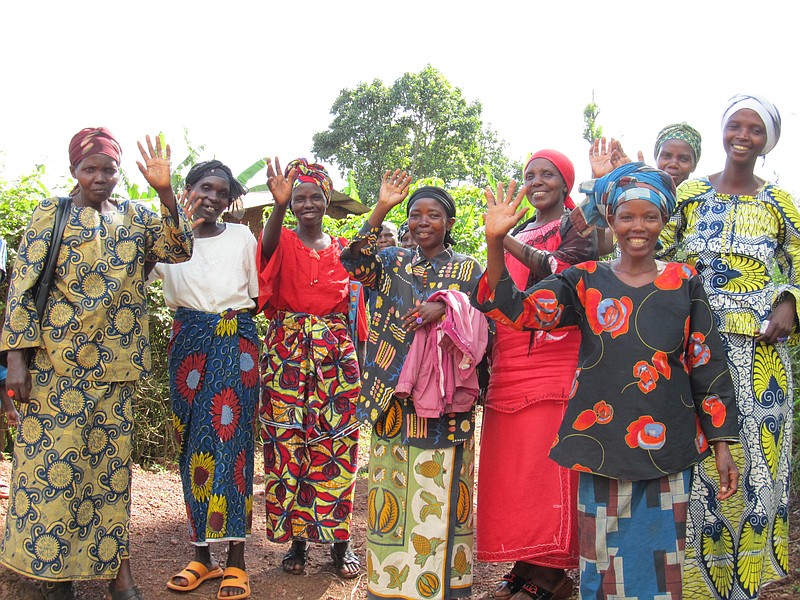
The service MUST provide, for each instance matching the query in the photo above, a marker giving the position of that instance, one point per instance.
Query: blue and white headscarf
(765, 109)
(631, 181)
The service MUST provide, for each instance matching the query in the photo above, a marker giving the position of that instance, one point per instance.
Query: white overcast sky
(250, 79)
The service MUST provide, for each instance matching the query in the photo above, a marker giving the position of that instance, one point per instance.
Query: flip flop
(234, 578)
(340, 561)
(133, 593)
(195, 573)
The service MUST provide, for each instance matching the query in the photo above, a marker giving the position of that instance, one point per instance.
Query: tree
(592, 130)
(421, 123)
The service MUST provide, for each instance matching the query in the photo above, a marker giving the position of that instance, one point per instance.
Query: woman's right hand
(7, 407)
(501, 210)
(280, 186)
(394, 188)
(18, 378)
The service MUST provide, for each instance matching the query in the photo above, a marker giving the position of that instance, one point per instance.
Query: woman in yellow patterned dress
(735, 228)
(69, 511)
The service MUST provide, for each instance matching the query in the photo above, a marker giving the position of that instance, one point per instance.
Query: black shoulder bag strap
(45, 282)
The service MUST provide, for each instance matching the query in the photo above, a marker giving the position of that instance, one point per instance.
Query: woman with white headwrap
(735, 228)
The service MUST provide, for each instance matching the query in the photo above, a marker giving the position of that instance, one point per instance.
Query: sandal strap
(514, 582)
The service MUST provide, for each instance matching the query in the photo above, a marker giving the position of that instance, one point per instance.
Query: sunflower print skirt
(69, 506)
(213, 366)
(419, 517)
(736, 546)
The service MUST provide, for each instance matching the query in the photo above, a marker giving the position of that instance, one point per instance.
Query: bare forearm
(533, 259)
(272, 231)
(495, 262)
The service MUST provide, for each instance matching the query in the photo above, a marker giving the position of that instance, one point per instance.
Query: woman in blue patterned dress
(213, 373)
(69, 511)
(736, 230)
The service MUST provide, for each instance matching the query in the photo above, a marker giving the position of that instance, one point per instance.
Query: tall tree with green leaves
(421, 123)
(591, 130)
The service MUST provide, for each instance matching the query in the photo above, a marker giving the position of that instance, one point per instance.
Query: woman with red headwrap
(68, 519)
(310, 374)
(526, 502)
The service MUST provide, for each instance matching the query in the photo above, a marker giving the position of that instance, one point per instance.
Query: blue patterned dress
(70, 496)
(737, 244)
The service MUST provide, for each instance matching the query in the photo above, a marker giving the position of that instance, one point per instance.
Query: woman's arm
(281, 188)
(394, 189)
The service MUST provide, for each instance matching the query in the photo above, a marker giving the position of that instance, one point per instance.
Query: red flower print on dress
(590, 266)
(700, 441)
(191, 373)
(581, 468)
(713, 406)
(647, 434)
(543, 309)
(225, 413)
(647, 374)
(661, 363)
(673, 276)
(240, 473)
(248, 362)
(697, 352)
(608, 314)
(601, 413)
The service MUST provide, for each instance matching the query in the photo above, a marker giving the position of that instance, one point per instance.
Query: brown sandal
(342, 560)
(298, 554)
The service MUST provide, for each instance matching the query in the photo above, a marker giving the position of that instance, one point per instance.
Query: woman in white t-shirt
(213, 366)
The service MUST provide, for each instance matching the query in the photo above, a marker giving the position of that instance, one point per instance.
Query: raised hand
(618, 156)
(280, 186)
(156, 165)
(502, 211)
(394, 188)
(190, 203)
(600, 157)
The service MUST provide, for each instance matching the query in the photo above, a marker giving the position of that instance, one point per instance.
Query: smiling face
(637, 225)
(546, 187)
(97, 177)
(386, 238)
(744, 136)
(676, 159)
(215, 195)
(428, 222)
(308, 204)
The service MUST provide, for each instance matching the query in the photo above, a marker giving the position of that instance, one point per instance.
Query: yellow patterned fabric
(737, 243)
(70, 497)
(95, 325)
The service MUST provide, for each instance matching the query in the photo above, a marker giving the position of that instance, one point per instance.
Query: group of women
(610, 381)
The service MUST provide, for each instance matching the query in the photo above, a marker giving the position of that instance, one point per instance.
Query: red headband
(564, 166)
(93, 140)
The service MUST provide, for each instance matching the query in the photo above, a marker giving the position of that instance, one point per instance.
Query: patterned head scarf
(564, 166)
(442, 197)
(631, 181)
(765, 109)
(214, 168)
(679, 131)
(93, 140)
(311, 173)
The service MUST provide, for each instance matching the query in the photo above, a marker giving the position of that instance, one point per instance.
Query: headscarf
(631, 181)
(402, 231)
(679, 131)
(564, 166)
(765, 109)
(391, 227)
(93, 140)
(214, 168)
(310, 173)
(442, 197)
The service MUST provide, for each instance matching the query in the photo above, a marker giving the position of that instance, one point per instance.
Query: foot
(235, 581)
(345, 560)
(294, 561)
(193, 575)
(511, 584)
(561, 590)
(57, 590)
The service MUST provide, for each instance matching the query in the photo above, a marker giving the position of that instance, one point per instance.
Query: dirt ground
(159, 548)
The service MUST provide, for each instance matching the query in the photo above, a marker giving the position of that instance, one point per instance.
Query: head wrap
(391, 227)
(310, 173)
(214, 168)
(402, 231)
(679, 131)
(442, 197)
(93, 140)
(631, 181)
(765, 109)
(564, 166)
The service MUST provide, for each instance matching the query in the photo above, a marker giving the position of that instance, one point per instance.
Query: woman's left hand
(156, 164)
(780, 322)
(190, 203)
(422, 314)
